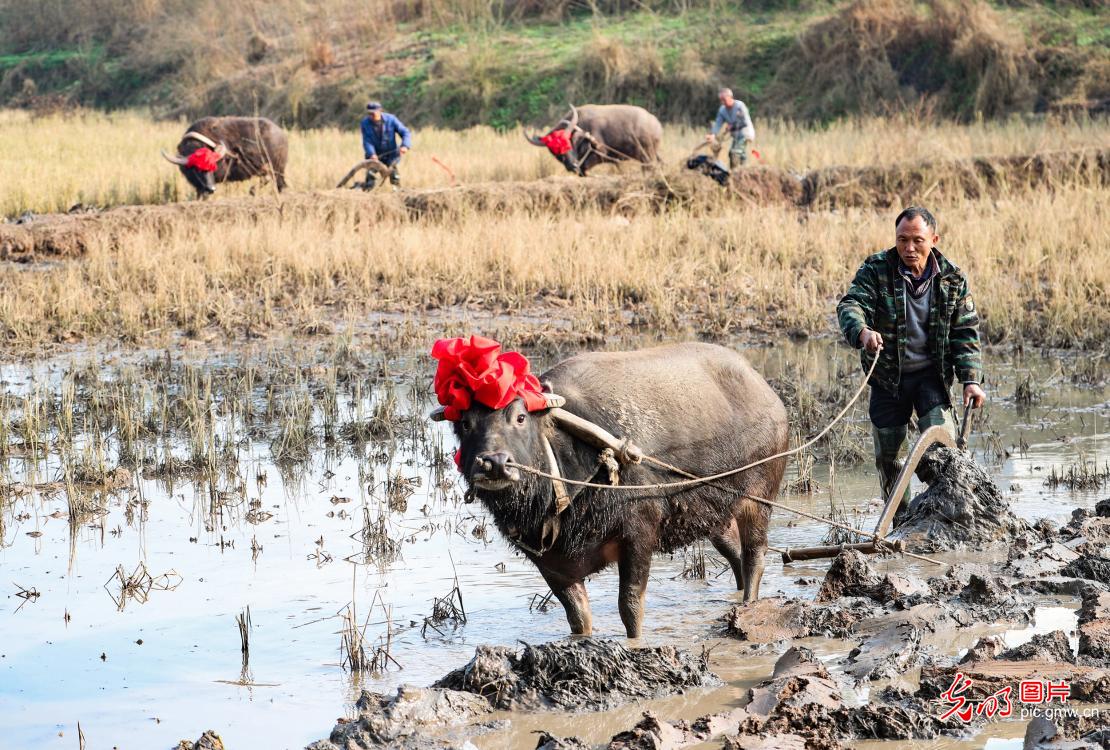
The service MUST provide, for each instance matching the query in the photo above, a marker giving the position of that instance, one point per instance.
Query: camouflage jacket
(877, 299)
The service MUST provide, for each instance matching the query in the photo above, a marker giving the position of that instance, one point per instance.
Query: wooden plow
(373, 165)
(934, 435)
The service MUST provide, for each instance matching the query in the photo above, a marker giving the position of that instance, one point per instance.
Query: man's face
(914, 241)
(726, 100)
(376, 115)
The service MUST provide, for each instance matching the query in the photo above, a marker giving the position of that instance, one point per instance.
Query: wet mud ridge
(34, 237)
(576, 675)
(583, 674)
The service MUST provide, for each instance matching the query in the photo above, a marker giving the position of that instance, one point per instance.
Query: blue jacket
(386, 147)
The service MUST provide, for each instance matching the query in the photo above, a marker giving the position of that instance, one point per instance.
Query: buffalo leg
(752, 521)
(576, 603)
(633, 567)
(728, 544)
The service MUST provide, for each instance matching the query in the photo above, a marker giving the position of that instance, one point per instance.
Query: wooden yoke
(599, 437)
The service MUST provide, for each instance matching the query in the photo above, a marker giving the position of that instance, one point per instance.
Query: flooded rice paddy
(266, 495)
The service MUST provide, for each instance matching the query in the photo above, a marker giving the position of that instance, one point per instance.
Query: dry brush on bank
(737, 266)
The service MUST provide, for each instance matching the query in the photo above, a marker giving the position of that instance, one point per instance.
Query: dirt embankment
(68, 235)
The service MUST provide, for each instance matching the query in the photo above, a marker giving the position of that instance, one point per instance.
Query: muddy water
(166, 664)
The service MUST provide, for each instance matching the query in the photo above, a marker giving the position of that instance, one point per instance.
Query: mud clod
(1046, 647)
(1094, 626)
(769, 620)
(852, 574)
(1089, 567)
(584, 674)
(414, 718)
(799, 679)
(800, 707)
(1046, 560)
(207, 741)
(650, 733)
(888, 653)
(553, 742)
(961, 508)
(1042, 734)
(985, 649)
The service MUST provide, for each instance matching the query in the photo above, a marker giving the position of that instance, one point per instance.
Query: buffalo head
(491, 439)
(198, 158)
(562, 141)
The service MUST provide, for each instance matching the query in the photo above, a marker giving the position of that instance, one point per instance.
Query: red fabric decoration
(203, 159)
(477, 370)
(557, 142)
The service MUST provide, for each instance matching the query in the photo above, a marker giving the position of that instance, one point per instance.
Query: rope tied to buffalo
(692, 480)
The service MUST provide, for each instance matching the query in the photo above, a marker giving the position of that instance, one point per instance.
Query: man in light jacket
(734, 113)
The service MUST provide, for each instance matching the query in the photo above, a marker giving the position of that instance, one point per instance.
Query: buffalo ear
(438, 414)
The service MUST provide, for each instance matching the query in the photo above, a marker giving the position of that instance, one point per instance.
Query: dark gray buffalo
(231, 149)
(603, 133)
(699, 407)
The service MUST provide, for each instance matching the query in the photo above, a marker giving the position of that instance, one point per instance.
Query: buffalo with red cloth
(699, 407)
(231, 149)
(603, 133)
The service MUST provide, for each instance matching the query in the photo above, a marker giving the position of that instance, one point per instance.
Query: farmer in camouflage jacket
(911, 307)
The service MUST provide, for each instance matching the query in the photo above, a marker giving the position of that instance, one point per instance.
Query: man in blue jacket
(379, 139)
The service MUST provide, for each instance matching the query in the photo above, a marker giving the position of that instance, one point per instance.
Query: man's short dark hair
(917, 212)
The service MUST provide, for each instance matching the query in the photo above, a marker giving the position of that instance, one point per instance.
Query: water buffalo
(230, 149)
(699, 407)
(599, 133)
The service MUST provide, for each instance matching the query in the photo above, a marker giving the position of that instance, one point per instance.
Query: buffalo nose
(493, 464)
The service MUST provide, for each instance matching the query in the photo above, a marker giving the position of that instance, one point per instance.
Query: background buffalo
(599, 133)
(244, 147)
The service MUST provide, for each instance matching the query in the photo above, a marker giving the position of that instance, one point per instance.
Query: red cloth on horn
(203, 159)
(557, 142)
(476, 369)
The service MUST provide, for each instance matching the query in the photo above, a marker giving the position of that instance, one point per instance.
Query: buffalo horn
(438, 415)
(573, 124)
(200, 137)
(534, 140)
(178, 160)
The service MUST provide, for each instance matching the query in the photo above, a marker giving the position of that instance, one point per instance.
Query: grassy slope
(499, 73)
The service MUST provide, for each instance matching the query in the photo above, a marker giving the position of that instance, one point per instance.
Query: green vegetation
(499, 62)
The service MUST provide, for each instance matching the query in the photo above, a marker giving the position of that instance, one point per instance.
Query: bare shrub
(875, 56)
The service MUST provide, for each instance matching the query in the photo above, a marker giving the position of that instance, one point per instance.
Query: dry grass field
(1036, 258)
(51, 163)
